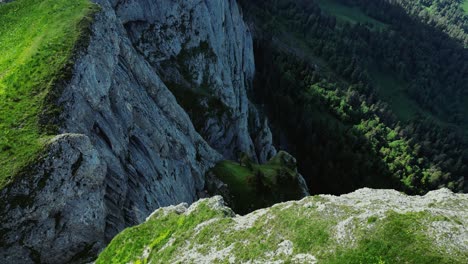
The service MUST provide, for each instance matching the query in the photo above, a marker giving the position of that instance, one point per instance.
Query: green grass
(129, 245)
(394, 238)
(253, 186)
(348, 14)
(372, 219)
(465, 6)
(37, 40)
(400, 238)
(308, 234)
(237, 178)
(393, 92)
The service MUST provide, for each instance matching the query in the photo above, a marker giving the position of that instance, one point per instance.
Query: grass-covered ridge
(252, 186)
(369, 226)
(349, 14)
(37, 42)
(465, 6)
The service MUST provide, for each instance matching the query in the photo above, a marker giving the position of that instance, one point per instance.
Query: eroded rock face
(54, 209)
(205, 49)
(130, 140)
(365, 226)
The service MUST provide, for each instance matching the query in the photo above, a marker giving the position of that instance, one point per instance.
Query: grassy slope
(243, 185)
(393, 92)
(311, 227)
(37, 40)
(390, 89)
(348, 14)
(465, 6)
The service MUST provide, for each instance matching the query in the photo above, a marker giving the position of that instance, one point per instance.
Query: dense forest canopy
(366, 92)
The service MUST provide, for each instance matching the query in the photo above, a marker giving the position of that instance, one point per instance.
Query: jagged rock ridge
(367, 226)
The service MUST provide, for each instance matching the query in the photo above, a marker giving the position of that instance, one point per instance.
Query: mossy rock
(320, 229)
(253, 186)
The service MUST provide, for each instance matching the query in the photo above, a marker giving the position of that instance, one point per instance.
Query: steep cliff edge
(204, 53)
(126, 146)
(367, 226)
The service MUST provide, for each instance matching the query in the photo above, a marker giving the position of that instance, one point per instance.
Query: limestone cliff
(127, 145)
(367, 226)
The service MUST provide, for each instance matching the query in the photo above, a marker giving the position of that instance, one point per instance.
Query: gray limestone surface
(126, 145)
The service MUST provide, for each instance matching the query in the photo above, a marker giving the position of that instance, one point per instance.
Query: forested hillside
(366, 93)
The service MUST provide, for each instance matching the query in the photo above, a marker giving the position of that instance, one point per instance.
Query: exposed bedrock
(127, 145)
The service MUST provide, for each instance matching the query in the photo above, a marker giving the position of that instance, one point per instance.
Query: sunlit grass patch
(37, 42)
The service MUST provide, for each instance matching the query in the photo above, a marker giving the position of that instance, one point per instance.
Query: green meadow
(348, 14)
(37, 42)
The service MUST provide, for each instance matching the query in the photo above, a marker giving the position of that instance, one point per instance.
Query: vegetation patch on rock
(320, 229)
(253, 186)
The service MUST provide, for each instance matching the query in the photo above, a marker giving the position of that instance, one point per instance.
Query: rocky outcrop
(261, 135)
(128, 146)
(203, 48)
(54, 209)
(367, 226)
(246, 186)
